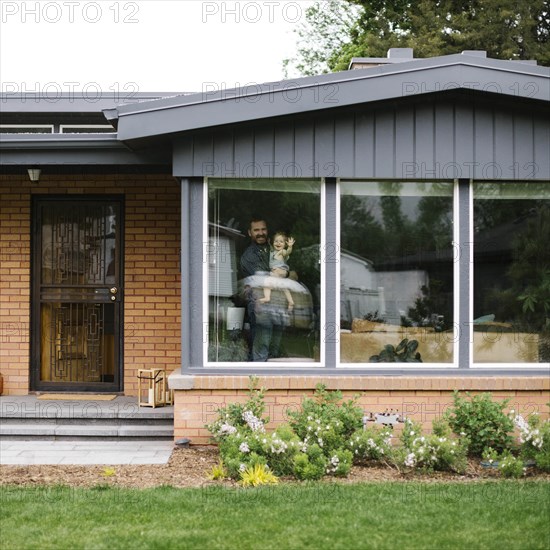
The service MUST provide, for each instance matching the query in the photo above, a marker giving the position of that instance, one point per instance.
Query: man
(256, 257)
(266, 320)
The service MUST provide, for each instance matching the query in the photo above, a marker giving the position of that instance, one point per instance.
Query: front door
(77, 294)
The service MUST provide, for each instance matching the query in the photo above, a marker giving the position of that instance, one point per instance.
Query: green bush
(534, 437)
(339, 464)
(328, 417)
(372, 443)
(310, 465)
(436, 451)
(510, 466)
(244, 416)
(482, 421)
(314, 444)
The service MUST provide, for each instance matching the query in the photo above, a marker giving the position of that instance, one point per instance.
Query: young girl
(278, 258)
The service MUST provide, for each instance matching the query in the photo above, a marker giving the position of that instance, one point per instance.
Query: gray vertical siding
(443, 139)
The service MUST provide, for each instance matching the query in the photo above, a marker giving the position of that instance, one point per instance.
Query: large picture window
(396, 272)
(263, 271)
(511, 272)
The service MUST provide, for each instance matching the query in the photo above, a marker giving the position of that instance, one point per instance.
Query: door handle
(113, 290)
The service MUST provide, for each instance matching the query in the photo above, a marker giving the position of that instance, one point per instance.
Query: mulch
(190, 468)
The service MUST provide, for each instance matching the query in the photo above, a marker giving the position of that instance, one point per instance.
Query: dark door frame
(36, 262)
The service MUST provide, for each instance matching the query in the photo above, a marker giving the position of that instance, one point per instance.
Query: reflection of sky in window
(409, 207)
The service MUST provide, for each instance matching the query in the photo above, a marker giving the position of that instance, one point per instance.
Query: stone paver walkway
(85, 452)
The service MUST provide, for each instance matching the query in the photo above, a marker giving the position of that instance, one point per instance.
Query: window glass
(511, 272)
(396, 272)
(264, 277)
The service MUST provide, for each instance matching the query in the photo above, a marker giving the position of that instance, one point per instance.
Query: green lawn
(504, 514)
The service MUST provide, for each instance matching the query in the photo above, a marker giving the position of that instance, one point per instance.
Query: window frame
(195, 192)
(489, 366)
(454, 364)
(283, 366)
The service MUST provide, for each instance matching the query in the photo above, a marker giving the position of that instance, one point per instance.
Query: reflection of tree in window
(512, 266)
(406, 233)
(292, 207)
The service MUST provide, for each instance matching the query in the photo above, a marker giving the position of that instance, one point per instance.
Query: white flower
(254, 423)
(227, 429)
(242, 467)
(244, 448)
(410, 461)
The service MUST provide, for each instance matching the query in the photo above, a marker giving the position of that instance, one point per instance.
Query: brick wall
(152, 281)
(420, 398)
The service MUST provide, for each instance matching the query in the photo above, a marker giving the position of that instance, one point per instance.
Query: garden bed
(190, 468)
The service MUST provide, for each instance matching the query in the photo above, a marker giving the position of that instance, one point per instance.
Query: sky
(144, 45)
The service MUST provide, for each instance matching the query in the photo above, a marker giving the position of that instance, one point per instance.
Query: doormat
(77, 396)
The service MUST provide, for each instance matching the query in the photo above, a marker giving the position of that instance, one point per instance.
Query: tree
(326, 31)
(506, 29)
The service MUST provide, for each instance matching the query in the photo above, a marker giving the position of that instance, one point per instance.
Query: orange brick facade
(152, 283)
(420, 398)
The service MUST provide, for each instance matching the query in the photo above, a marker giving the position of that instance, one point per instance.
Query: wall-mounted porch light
(34, 174)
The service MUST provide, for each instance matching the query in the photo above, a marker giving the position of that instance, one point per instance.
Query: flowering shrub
(490, 457)
(311, 446)
(373, 443)
(436, 451)
(325, 424)
(325, 415)
(510, 466)
(237, 416)
(310, 464)
(326, 436)
(314, 464)
(534, 438)
(481, 420)
(506, 463)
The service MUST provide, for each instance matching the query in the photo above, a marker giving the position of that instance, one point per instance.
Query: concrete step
(9, 431)
(61, 421)
(27, 417)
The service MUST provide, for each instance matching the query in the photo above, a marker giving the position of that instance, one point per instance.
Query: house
(112, 254)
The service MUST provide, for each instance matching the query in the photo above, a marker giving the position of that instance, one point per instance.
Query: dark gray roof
(146, 123)
(31, 103)
(512, 79)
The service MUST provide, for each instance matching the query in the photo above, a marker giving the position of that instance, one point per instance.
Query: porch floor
(29, 406)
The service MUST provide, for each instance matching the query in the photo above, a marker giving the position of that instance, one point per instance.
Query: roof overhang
(74, 149)
(218, 107)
